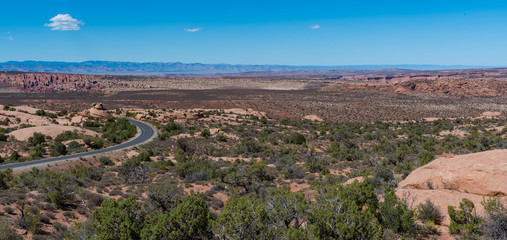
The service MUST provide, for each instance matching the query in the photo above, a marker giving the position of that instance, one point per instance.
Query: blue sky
(257, 32)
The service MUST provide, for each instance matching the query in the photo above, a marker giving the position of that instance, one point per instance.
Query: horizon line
(256, 64)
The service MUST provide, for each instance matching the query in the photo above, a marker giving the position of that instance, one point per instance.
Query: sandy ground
(50, 130)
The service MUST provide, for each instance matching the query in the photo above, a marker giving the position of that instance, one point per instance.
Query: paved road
(146, 133)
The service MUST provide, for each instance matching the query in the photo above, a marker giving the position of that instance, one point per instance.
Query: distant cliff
(55, 82)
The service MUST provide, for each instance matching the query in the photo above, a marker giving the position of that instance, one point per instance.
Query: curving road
(145, 134)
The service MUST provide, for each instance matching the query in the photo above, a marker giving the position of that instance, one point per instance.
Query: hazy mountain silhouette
(160, 68)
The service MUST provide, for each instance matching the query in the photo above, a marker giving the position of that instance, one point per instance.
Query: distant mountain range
(160, 68)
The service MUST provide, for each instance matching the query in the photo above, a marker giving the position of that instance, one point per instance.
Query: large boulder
(447, 180)
(97, 111)
(483, 173)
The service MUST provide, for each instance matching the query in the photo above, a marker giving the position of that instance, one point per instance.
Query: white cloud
(315, 26)
(10, 37)
(64, 22)
(192, 29)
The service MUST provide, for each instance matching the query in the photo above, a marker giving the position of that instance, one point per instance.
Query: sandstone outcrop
(483, 173)
(50, 130)
(445, 181)
(313, 118)
(97, 111)
(462, 87)
(77, 119)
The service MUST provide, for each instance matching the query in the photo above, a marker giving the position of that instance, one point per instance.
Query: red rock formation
(97, 111)
(54, 82)
(463, 87)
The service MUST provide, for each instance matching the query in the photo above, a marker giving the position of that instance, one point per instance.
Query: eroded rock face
(50, 82)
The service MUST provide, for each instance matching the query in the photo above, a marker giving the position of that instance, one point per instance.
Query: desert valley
(342, 154)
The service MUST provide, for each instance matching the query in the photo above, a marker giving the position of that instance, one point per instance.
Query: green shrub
(58, 149)
(30, 220)
(74, 144)
(195, 168)
(184, 145)
(286, 209)
(14, 156)
(249, 146)
(425, 157)
(118, 130)
(428, 212)
(495, 222)
(62, 112)
(345, 212)
(248, 175)
(295, 138)
(106, 161)
(143, 156)
(75, 147)
(40, 112)
(5, 177)
(178, 225)
(6, 121)
(119, 219)
(7, 232)
(164, 197)
(36, 139)
(67, 135)
(37, 152)
(94, 142)
(314, 164)
(464, 220)
(396, 215)
(205, 133)
(133, 171)
(241, 218)
(221, 137)
(3, 137)
(90, 124)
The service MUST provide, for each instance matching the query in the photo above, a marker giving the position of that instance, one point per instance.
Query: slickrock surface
(483, 173)
(51, 130)
(445, 181)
